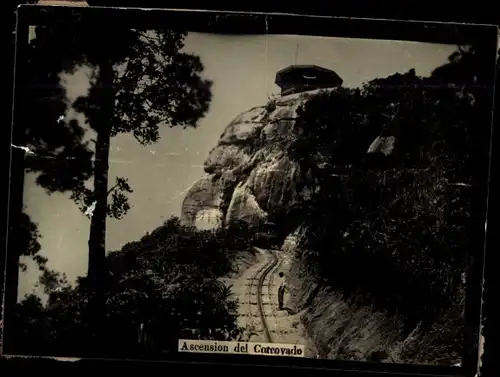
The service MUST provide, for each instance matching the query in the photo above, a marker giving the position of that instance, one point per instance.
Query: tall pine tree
(141, 80)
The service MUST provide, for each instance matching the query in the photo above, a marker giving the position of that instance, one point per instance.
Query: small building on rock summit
(301, 78)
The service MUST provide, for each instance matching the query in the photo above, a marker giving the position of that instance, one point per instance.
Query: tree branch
(112, 189)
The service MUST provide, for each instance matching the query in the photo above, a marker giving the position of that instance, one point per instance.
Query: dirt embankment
(345, 329)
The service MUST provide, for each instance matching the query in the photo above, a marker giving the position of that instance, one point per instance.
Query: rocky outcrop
(248, 174)
(206, 191)
(244, 206)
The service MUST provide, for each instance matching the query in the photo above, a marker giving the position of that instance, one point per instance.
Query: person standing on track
(281, 291)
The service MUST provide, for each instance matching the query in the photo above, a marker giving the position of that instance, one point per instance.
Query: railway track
(256, 286)
(258, 309)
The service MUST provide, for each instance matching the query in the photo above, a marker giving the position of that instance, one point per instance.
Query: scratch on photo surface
(113, 161)
(267, 46)
(26, 149)
(153, 152)
(71, 3)
(29, 151)
(90, 210)
(70, 359)
(166, 154)
(59, 242)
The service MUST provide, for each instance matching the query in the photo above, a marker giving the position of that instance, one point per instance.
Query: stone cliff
(248, 176)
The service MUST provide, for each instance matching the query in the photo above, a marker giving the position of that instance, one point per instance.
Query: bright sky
(243, 70)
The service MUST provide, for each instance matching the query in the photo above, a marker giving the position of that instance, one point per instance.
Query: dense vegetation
(123, 98)
(140, 82)
(399, 233)
(166, 282)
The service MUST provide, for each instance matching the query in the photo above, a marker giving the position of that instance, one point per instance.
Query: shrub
(397, 229)
(166, 283)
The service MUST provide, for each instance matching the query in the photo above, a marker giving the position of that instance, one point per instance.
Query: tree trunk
(97, 271)
(97, 239)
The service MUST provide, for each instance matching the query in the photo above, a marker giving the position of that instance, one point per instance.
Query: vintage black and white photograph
(305, 190)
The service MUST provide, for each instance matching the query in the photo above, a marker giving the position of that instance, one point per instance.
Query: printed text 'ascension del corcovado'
(250, 348)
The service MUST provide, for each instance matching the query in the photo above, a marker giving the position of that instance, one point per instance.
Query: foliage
(28, 246)
(154, 84)
(60, 156)
(167, 281)
(24, 239)
(406, 216)
(414, 242)
(28, 242)
(140, 81)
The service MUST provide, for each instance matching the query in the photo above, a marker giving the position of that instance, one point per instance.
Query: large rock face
(248, 174)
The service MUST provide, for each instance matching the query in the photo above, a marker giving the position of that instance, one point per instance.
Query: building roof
(307, 73)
